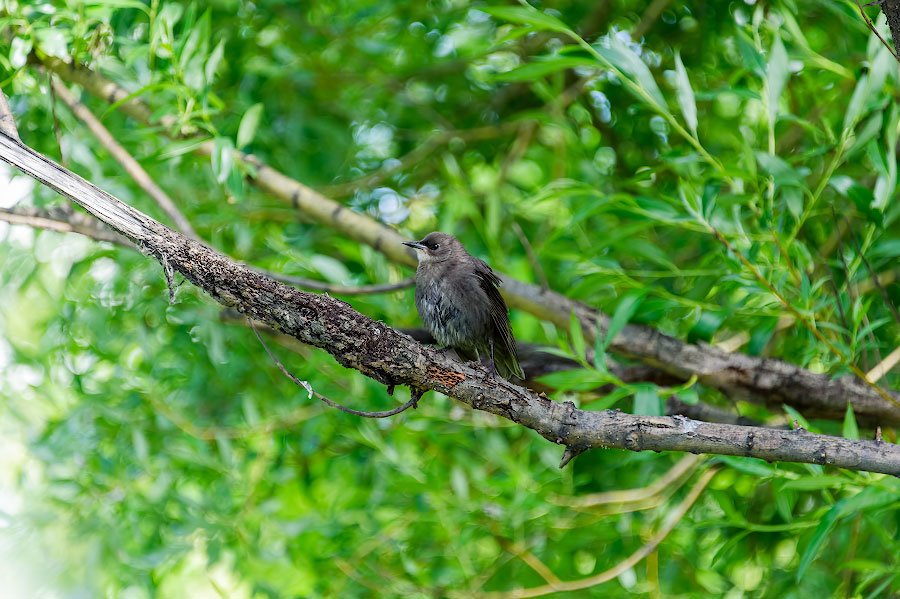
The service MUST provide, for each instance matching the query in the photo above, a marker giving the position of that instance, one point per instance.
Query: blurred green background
(153, 450)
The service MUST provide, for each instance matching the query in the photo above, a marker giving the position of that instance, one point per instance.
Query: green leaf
(459, 482)
(332, 269)
(541, 67)
(864, 199)
(889, 248)
(752, 59)
(628, 305)
(19, 49)
(761, 335)
(576, 335)
(777, 73)
(580, 379)
(819, 481)
(793, 199)
(868, 498)
(780, 170)
(621, 56)
(526, 16)
(647, 401)
(706, 326)
(689, 396)
(52, 42)
(222, 158)
(685, 95)
(249, 123)
(855, 106)
(212, 63)
(754, 466)
(850, 429)
(607, 401)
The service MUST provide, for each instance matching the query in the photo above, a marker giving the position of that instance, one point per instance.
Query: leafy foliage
(727, 171)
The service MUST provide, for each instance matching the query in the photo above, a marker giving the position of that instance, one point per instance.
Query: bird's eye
(435, 246)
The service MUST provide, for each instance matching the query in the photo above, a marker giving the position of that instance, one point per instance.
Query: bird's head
(436, 247)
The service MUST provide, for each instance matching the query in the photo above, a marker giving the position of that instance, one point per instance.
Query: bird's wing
(503, 335)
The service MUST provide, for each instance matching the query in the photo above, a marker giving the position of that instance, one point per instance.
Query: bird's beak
(414, 245)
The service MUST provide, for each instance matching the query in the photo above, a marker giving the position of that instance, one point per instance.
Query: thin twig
(40, 220)
(648, 18)
(682, 467)
(875, 281)
(413, 402)
(530, 559)
(211, 433)
(532, 256)
(131, 166)
(839, 244)
(853, 291)
(56, 128)
(335, 289)
(883, 367)
(625, 564)
(875, 31)
(840, 306)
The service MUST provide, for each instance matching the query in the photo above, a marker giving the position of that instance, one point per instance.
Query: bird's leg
(492, 367)
(416, 394)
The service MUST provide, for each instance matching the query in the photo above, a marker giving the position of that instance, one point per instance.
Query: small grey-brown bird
(459, 302)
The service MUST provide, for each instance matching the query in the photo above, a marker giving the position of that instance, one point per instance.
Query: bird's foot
(490, 371)
(416, 394)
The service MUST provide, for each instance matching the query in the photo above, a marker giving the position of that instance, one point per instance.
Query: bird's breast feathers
(447, 311)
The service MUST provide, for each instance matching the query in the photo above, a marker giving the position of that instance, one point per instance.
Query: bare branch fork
(392, 358)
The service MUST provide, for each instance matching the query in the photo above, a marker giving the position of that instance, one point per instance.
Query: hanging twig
(875, 31)
(412, 403)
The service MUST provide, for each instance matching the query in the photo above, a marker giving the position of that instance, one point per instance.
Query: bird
(459, 302)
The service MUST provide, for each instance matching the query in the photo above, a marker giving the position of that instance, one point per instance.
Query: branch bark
(388, 356)
(763, 381)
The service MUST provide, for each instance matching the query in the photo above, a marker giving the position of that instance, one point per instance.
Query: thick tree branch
(392, 358)
(765, 381)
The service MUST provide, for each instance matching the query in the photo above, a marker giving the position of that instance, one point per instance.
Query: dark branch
(764, 381)
(392, 358)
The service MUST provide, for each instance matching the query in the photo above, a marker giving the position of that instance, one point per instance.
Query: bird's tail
(507, 364)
